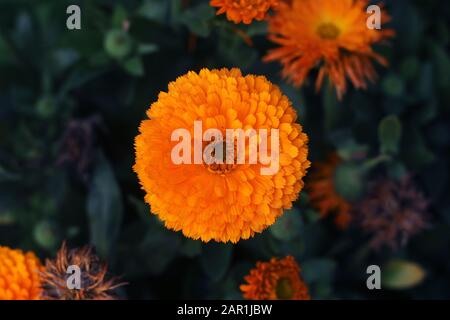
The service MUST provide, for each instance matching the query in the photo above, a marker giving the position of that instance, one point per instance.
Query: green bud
(392, 86)
(349, 180)
(401, 274)
(118, 43)
(390, 134)
(46, 234)
(288, 226)
(46, 106)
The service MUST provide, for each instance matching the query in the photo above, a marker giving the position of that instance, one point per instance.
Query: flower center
(328, 31)
(284, 290)
(220, 168)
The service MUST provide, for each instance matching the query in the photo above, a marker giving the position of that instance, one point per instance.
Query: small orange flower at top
(330, 34)
(244, 10)
(19, 275)
(322, 192)
(278, 279)
(220, 201)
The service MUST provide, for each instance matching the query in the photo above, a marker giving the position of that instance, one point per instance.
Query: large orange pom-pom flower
(278, 279)
(19, 275)
(322, 192)
(219, 202)
(330, 34)
(244, 10)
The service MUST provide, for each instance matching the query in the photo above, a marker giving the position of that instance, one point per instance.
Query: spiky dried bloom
(278, 279)
(95, 284)
(322, 192)
(392, 212)
(219, 202)
(19, 275)
(244, 10)
(330, 34)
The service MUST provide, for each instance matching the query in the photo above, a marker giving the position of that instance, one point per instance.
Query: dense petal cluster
(278, 279)
(322, 192)
(222, 204)
(94, 284)
(392, 212)
(330, 34)
(244, 10)
(19, 275)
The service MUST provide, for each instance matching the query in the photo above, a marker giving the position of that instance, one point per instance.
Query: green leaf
(288, 226)
(191, 248)
(393, 85)
(215, 259)
(316, 270)
(7, 175)
(389, 134)
(159, 246)
(198, 19)
(134, 66)
(104, 207)
(331, 107)
(119, 16)
(155, 10)
(441, 62)
(401, 274)
(146, 48)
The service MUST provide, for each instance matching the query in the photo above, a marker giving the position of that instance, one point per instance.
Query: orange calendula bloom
(278, 279)
(244, 10)
(322, 192)
(19, 275)
(330, 34)
(221, 202)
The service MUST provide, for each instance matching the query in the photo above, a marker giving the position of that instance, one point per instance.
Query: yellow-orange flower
(278, 279)
(219, 202)
(330, 34)
(19, 275)
(322, 192)
(244, 10)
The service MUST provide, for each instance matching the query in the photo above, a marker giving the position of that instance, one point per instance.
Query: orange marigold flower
(278, 279)
(330, 34)
(322, 192)
(219, 202)
(244, 10)
(19, 275)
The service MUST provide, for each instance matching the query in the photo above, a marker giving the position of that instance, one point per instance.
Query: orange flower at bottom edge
(19, 275)
(244, 10)
(278, 279)
(330, 34)
(323, 195)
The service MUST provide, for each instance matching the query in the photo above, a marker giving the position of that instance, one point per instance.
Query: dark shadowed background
(71, 102)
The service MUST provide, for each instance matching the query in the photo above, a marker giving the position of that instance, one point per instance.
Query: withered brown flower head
(94, 282)
(392, 213)
(77, 145)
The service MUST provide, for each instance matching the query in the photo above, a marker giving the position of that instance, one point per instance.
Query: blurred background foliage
(71, 103)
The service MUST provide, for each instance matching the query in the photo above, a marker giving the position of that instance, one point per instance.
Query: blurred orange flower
(244, 10)
(19, 275)
(322, 192)
(330, 34)
(219, 202)
(278, 279)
